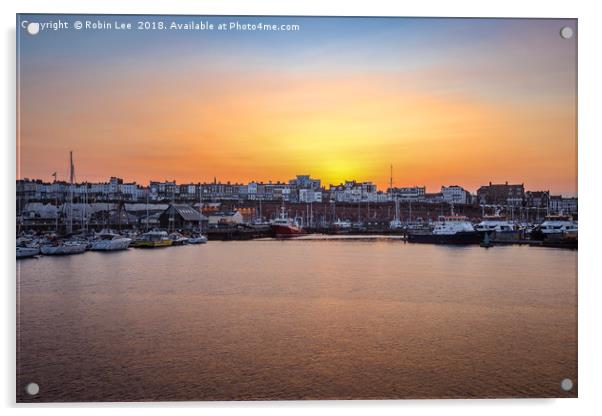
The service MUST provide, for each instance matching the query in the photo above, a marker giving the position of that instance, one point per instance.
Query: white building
(352, 191)
(310, 195)
(455, 194)
(412, 193)
(567, 206)
(231, 217)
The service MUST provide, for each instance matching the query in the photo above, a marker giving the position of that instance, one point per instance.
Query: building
(537, 199)
(501, 194)
(181, 217)
(433, 198)
(310, 195)
(455, 194)
(412, 193)
(226, 217)
(560, 205)
(163, 191)
(353, 191)
(217, 191)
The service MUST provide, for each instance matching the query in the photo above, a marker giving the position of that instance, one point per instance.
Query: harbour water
(298, 319)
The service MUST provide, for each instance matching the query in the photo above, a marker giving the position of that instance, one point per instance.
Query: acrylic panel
(286, 208)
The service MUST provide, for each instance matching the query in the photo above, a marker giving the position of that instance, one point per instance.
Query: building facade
(501, 194)
(455, 194)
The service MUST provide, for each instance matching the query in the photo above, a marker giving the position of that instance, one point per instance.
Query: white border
(590, 134)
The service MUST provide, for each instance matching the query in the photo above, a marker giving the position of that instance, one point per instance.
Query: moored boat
(498, 228)
(62, 248)
(496, 223)
(152, 239)
(25, 252)
(558, 224)
(200, 239)
(284, 227)
(109, 241)
(448, 230)
(178, 239)
(341, 226)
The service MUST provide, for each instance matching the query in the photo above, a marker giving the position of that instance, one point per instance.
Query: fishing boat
(284, 227)
(63, 248)
(453, 229)
(110, 241)
(152, 239)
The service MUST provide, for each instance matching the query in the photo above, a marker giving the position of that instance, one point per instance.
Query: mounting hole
(566, 384)
(32, 389)
(566, 32)
(33, 28)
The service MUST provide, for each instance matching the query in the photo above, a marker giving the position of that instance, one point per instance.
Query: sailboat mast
(391, 180)
(147, 192)
(56, 204)
(200, 208)
(71, 175)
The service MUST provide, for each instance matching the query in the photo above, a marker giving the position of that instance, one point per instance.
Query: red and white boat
(284, 227)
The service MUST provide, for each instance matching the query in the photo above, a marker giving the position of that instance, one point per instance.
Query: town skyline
(323, 184)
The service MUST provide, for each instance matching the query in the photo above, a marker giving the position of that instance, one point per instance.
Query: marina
(558, 231)
(59, 219)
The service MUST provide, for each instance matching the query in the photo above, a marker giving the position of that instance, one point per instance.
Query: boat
(110, 241)
(27, 247)
(25, 252)
(152, 239)
(557, 231)
(200, 239)
(284, 227)
(395, 224)
(558, 224)
(453, 229)
(178, 239)
(497, 223)
(341, 226)
(498, 228)
(62, 248)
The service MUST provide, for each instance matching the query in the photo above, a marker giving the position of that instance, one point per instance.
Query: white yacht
(178, 239)
(200, 239)
(24, 252)
(342, 224)
(496, 223)
(454, 229)
(58, 248)
(558, 224)
(110, 241)
(453, 225)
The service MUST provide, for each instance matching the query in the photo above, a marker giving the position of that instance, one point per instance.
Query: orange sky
(440, 123)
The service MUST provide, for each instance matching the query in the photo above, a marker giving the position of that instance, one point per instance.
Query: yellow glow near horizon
(272, 127)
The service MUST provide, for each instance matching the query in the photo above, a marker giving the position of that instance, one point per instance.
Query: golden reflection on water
(299, 320)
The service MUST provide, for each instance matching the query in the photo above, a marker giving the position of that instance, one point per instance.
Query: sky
(444, 101)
